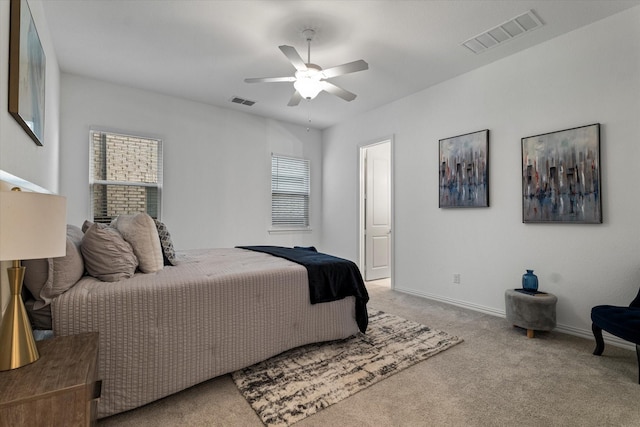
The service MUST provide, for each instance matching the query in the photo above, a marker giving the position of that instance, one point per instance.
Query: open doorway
(376, 212)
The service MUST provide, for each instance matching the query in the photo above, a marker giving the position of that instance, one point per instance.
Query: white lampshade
(32, 225)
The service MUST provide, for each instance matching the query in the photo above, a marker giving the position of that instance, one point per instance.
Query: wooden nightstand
(59, 389)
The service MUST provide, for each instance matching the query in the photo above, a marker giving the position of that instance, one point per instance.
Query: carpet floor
(300, 382)
(497, 377)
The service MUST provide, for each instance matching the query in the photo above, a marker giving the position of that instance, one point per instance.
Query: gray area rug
(302, 381)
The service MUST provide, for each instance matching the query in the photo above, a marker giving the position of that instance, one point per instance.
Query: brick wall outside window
(126, 175)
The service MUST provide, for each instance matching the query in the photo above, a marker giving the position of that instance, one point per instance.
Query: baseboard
(459, 303)
(566, 329)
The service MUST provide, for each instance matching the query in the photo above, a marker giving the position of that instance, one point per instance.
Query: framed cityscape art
(561, 177)
(464, 171)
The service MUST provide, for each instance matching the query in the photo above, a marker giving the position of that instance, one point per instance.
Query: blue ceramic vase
(530, 281)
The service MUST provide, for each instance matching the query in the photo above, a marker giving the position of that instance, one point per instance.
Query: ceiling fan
(310, 79)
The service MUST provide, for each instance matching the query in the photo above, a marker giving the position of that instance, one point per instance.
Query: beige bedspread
(217, 311)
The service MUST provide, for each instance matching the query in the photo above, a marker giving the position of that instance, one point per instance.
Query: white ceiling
(203, 49)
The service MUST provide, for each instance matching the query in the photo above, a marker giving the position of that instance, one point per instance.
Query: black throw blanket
(330, 278)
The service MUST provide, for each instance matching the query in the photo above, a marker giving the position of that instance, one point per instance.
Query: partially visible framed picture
(27, 67)
(464, 171)
(561, 176)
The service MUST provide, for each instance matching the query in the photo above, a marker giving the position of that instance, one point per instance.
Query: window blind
(125, 175)
(290, 190)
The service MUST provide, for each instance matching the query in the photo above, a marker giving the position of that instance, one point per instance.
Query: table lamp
(32, 225)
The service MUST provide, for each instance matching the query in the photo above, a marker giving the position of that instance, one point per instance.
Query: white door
(377, 246)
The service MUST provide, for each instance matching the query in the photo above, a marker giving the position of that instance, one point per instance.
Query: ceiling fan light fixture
(308, 81)
(308, 87)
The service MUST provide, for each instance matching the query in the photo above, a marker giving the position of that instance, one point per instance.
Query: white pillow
(141, 233)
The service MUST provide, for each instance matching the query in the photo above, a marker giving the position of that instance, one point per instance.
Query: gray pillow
(85, 225)
(140, 231)
(107, 256)
(47, 278)
(40, 319)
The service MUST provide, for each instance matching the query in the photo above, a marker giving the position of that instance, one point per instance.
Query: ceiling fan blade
(294, 57)
(350, 67)
(338, 91)
(270, 79)
(295, 99)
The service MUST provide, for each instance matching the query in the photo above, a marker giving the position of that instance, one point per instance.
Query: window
(125, 175)
(289, 192)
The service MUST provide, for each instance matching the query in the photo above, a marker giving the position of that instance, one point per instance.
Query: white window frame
(288, 184)
(93, 181)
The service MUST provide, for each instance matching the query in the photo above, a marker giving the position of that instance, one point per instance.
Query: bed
(213, 312)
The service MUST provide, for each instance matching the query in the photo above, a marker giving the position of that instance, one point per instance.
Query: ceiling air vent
(238, 100)
(506, 31)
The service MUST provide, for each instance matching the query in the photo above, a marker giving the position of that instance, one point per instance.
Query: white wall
(19, 155)
(591, 75)
(217, 162)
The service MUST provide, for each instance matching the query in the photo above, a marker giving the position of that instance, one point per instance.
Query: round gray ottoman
(531, 312)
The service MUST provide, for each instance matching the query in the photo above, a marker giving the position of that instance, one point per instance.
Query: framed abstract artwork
(464, 171)
(27, 65)
(561, 177)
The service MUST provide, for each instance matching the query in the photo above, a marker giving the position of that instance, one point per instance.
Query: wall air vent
(238, 100)
(504, 32)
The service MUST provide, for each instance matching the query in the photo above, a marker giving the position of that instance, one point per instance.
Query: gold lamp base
(17, 346)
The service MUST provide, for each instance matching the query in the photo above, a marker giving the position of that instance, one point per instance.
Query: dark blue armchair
(623, 322)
